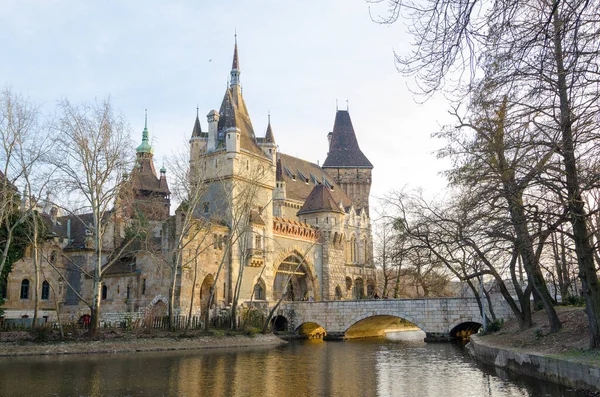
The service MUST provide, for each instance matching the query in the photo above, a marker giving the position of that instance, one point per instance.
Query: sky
(297, 59)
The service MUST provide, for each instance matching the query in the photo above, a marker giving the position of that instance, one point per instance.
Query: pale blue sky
(296, 58)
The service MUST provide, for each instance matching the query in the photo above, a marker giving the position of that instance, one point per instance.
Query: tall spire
(145, 146)
(235, 67)
(269, 137)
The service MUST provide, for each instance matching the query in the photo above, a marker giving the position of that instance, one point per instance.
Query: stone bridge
(439, 318)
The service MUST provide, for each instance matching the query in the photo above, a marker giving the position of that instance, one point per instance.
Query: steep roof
(298, 189)
(197, 131)
(234, 113)
(344, 150)
(143, 177)
(269, 137)
(320, 200)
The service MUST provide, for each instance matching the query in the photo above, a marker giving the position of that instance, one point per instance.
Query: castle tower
(198, 140)
(347, 164)
(268, 143)
(151, 194)
(321, 210)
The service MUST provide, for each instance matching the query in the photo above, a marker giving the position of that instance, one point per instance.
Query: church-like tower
(151, 193)
(347, 164)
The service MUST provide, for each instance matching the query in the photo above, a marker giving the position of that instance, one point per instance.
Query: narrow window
(257, 242)
(3, 291)
(144, 286)
(205, 207)
(128, 291)
(45, 290)
(25, 289)
(104, 292)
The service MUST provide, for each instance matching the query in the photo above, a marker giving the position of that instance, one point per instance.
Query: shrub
(41, 334)
(538, 333)
(251, 331)
(574, 300)
(495, 326)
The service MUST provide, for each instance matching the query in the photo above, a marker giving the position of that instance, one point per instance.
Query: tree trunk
(189, 321)
(36, 271)
(577, 212)
(95, 309)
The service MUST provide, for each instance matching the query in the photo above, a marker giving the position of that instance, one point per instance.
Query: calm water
(310, 368)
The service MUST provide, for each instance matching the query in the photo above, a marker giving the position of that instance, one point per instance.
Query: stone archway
(306, 279)
(294, 277)
(205, 292)
(158, 307)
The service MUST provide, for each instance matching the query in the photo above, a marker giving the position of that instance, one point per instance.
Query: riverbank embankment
(561, 357)
(12, 349)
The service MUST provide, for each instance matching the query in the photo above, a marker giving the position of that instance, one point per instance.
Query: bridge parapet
(437, 317)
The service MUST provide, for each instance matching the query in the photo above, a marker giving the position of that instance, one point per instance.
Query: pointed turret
(197, 131)
(145, 146)
(343, 148)
(235, 66)
(346, 163)
(234, 114)
(269, 137)
(163, 185)
(151, 193)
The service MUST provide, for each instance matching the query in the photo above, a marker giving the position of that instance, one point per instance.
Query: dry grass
(571, 342)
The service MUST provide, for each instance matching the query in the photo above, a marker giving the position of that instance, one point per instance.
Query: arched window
(25, 289)
(129, 290)
(370, 289)
(338, 293)
(104, 292)
(53, 257)
(358, 289)
(259, 290)
(348, 283)
(4, 290)
(45, 290)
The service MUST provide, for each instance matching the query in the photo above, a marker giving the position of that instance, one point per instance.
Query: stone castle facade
(269, 224)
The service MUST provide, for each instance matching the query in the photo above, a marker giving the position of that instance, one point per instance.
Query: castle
(301, 230)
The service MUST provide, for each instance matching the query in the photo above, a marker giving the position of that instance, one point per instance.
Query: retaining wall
(568, 373)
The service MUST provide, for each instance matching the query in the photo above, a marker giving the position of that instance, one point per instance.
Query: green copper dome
(145, 146)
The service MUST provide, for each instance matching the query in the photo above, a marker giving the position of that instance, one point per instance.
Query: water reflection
(310, 368)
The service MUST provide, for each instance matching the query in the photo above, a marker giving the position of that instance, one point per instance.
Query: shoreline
(571, 373)
(137, 345)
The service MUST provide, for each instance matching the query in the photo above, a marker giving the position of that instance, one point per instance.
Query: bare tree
(546, 55)
(93, 155)
(18, 131)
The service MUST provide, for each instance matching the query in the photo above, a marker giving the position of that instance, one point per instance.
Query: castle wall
(356, 183)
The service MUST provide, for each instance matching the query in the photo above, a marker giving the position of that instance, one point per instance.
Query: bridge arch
(279, 323)
(311, 330)
(383, 313)
(464, 327)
